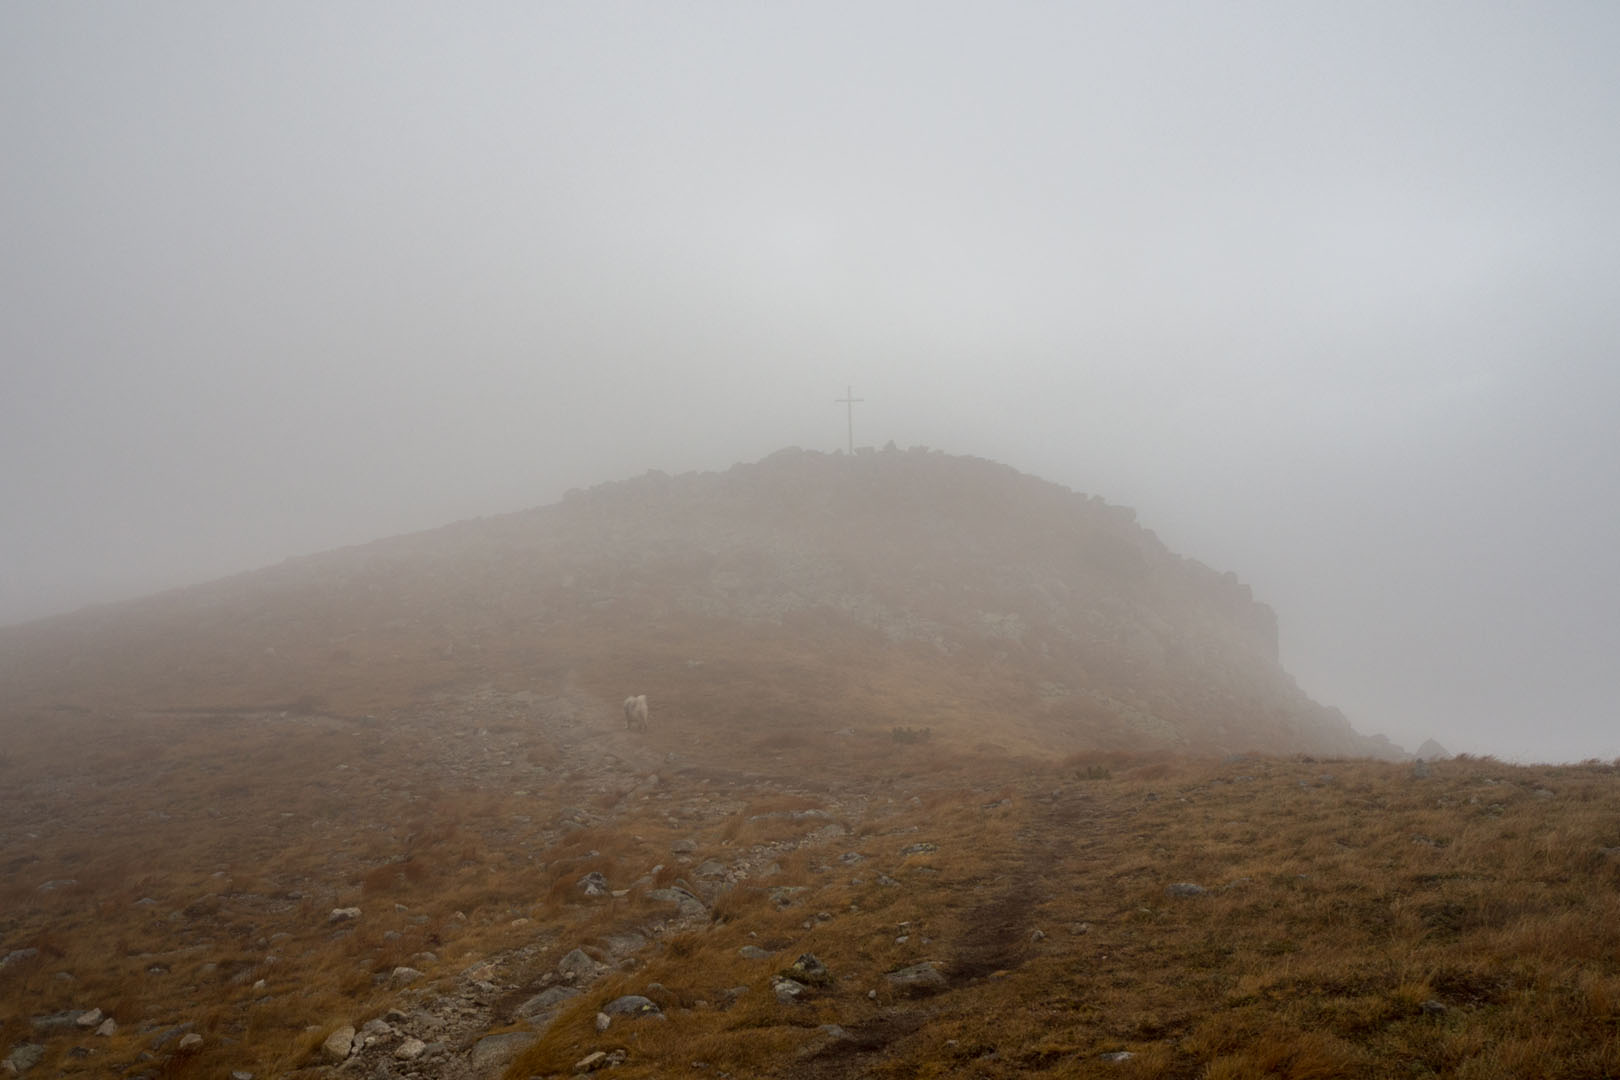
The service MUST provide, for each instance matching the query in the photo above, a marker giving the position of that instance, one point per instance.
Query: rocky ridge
(907, 587)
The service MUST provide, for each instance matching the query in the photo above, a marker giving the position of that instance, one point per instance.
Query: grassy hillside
(1356, 919)
(905, 586)
(940, 781)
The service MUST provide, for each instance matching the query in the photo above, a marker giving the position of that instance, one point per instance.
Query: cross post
(850, 401)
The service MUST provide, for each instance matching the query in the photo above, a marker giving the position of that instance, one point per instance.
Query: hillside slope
(893, 588)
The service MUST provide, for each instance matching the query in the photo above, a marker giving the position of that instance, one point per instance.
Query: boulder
(546, 1001)
(809, 970)
(600, 1059)
(17, 956)
(685, 903)
(57, 1022)
(23, 1057)
(578, 967)
(632, 1005)
(339, 1043)
(496, 1050)
(1433, 751)
(917, 979)
(374, 1032)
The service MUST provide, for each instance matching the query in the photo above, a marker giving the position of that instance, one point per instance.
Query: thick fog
(1329, 293)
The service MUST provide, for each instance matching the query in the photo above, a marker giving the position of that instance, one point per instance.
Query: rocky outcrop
(1433, 751)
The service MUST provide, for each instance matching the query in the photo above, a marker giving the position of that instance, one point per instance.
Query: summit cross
(850, 400)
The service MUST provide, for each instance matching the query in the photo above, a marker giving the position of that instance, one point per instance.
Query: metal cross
(850, 400)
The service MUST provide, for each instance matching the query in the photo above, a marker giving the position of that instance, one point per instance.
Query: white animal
(635, 712)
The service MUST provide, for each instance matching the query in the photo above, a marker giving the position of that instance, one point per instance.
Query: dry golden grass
(1346, 900)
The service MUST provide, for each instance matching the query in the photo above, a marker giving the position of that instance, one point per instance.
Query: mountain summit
(894, 588)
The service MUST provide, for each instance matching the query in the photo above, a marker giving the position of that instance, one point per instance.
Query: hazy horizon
(1327, 296)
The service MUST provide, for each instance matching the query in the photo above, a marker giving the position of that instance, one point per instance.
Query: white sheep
(635, 712)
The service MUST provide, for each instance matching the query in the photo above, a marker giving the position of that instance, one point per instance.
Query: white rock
(108, 1027)
(339, 1043)
(603, 1021)
(410, 1049)
(191, 1042)
(89, 1019)
(343, 914)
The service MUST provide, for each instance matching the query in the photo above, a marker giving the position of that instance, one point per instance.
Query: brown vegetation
(846, 757)
(1358, 921)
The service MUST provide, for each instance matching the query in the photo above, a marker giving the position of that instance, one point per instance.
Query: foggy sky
(1329, 293)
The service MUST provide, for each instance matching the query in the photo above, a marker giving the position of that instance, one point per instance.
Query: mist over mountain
(907, 588)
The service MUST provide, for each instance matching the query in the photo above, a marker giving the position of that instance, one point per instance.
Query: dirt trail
(993, 935)
(996, 933)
